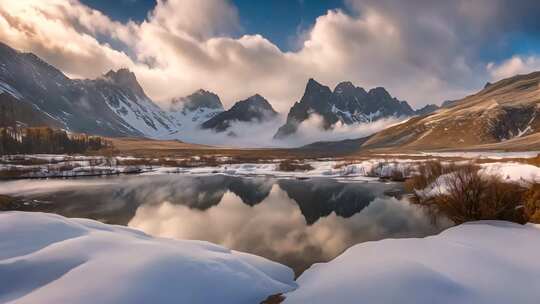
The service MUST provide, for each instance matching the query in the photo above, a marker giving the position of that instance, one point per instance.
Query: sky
(422, 51)
(280, 21)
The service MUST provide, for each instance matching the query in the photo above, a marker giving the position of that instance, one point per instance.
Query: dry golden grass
(12, 173)
(534, 161)
(291, 165)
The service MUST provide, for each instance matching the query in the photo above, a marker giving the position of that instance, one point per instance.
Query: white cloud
(422, 51)
(513, 66)
(311, 130)
(197, 18)
(261, 134)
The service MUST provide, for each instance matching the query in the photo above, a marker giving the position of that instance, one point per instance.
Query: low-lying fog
(260, 134)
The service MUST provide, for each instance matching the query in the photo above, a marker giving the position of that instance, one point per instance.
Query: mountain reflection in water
(295, 222)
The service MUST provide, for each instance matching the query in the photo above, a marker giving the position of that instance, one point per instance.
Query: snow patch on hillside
(4, 87)
(144, 116)
(192, 120)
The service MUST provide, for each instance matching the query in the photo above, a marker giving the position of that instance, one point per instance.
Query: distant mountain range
(116, 105)
(113, 104)
(503, 116)
(347, 104)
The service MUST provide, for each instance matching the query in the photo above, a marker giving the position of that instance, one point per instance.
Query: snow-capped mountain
(193, 110)
(111, 105)
(255, 108)
(347, 104)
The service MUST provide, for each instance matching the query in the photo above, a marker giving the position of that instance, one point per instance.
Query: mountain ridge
(502, 115)
(111, 105)
(347, 104)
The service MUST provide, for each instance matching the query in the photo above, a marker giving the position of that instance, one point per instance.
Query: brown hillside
(506, 111)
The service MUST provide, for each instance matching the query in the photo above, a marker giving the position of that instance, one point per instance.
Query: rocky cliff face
(347, 104)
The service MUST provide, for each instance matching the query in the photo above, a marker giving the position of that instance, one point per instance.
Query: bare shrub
(132, 162)
(397, 176)
(532, 203)
(5, 201)
(465, 194)
(291, 165)
(427, 173)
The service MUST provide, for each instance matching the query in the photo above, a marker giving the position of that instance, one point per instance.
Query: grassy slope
(472, 122)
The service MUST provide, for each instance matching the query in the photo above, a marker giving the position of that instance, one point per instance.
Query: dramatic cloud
(422, 51)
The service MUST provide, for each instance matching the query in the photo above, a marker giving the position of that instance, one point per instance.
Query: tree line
(45, 140)
(16, 138)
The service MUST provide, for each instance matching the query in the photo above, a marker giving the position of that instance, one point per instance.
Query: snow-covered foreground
(46, 258)
(481, 262)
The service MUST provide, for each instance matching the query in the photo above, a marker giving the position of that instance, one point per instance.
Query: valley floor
(509, 165)
(70, 261)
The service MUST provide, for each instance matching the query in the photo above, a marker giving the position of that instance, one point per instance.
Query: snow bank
(511, 171)
(480, 262)
(46, 258)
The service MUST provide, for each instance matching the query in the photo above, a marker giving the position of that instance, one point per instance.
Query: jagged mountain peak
(203, 92)
(198, 100)
(312, 82)
(258, 99)
(125, 78)
(345, 86)
(313, 86)
(122, 74)
(254, 103)
(379, 92)
(112, 105)
(347, 104)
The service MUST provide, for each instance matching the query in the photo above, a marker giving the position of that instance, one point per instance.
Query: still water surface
(295, 222)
